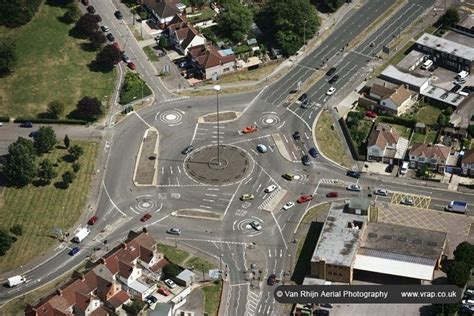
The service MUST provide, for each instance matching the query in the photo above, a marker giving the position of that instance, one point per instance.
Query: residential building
(161, 12)
(210, 63)
(433, 156)
(183, 35)
(467, 163)
(387, 100)
(386, 145)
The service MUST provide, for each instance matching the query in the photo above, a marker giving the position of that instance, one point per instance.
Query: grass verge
(247, 75)
(51, 66)
(133, 88)
(199, 264)
(150, 52)
(39, 208)
(173, 254)
(212, 297)
(329, 142)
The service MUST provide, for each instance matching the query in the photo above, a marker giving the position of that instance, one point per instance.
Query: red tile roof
(159, 265)
(118, 299)
(207, 56)
(468, 156)
(430, 151)
(100, 311)
(382, 136)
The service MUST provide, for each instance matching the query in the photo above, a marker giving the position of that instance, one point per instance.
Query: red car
(371, 114)
(249, 129)
(145, 217)
(304, 198)
(92, 220)
(331, 194)
(116, 45)
(132, 66)
(163, 291)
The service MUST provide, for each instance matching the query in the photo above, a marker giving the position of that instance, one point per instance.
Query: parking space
(413, 200)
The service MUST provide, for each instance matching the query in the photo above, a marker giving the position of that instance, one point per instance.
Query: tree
(97, 39)
(8, 57)
(449, 111)
(87, 25)
(171, 270)
(421, 171)
(449, 18)
(235, 21)
(68, 177)
(67, 142)
(442, 120)
(20, 164)
(108, 57)
(75, 152)
(76, 167)
(465, 252)
(164, 42)
(458, 273)
(446, 309)
(45, 140)
(46, 171)
(73, 14)
(55, 109)
(17, 229)
(6, 242)
(88, 108)
(333, 5)
(14, 13)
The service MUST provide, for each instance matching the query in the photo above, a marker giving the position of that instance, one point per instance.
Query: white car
(331, 91)
(382, 192)
(170, 283)
(288, 205)
(262, 148)
(270, 189)
(256, 225)
(353, 187)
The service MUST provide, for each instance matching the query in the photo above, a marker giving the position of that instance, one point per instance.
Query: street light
(218, 88)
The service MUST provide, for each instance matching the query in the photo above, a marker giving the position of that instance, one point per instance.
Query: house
(385, 145)
(210, 63)
(467, 163)
(433, 156)
(390, 101)
(161, 12)
(185, 278)
(183, 35)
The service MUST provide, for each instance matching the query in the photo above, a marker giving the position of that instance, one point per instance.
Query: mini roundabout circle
(170, 117)
(146, 204)
(269, 119)
(246, 228)
(299, 177)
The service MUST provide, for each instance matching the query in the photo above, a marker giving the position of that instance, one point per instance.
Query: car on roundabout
(288, 176)
(145, 217)
(249, 129)
(304, 198)
(354, 187)
(305, 160)
(256, 225)
(331, 91)
(262, 148)
(247, 197)
(332, 194)
(288, 205)
(271, 279)
(187, 150)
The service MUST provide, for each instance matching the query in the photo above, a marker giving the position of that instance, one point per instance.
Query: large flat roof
(338, 242)
(446, 46)
(440, 94)
(394, 73)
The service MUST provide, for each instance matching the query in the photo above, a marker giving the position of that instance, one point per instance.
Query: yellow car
(247, 197)
(288, 176)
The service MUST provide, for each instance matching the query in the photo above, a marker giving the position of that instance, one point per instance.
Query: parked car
(249, 129)
(389, 169)
(313, 152)
(145, 217)
(407, 201)
(270, 188)
(296, 135)
(333, 79)
(331, 91)
(262, 148)
(247, 197)
(304, 198)
(288, 176)
(382, 192)
(26, 124)
(184, 64)
(125, 58)
(110, 37)
(331, 71)
(353, 187)
(331, 194)
(293, 91)
(305, 160)
(288, 205)
(163, 291)
(174, 231)
(256, 225)
(118, 15)
(371, 114)
(151, 299)
(321, 312)
(74, 251)
(92, 220)
(187, 150)
(85, 2)
(303, 97)
(353, 174)
(104, 28)
(91, 9)
(456, 88)
(131, 65)
(170, 283)
(271, 279)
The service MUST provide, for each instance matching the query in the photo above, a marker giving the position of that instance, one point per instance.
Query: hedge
(50, 121)
(4, 119)
(398, 120)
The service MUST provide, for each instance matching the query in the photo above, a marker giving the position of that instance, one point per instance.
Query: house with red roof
(183, 35)
(433, 156)
(467, 163)
(210, 62)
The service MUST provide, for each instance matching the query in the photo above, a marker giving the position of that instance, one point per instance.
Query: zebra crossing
(252, 302)
(269, 199)
(332, 182)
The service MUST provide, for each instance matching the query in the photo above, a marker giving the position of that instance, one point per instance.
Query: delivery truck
(456, 206)
(16, 280)
(81, 234)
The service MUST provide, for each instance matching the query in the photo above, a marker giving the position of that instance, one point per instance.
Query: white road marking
(205, 206)
(171, 170)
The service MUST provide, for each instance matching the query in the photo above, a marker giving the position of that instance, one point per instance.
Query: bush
(398, 121)
(17, 229)
(133, 88)
(76, 167)
(171, 270)
(4, 119)
(6, 242)
(50, 121)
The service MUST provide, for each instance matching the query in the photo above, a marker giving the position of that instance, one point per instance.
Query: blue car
(74, 251)
(313, 152)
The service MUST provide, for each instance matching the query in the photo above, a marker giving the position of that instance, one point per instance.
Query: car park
(288, 205)
(187, 150)
(407, 201)
(145, 217)
(305, 160)
(174, 231)
(170, 283)
(313, 152)
(296, 135)
(110, 37)
(125, 58)
(247, 197)
(256, 225)
(288, 176)
(333, 79)
(104, 28)
(271, 279)
(331, 91)
(92, 220)
(118, 15)
(303, 97)
(131, 65)
(249, 129)
(382, 192)
(332, 194)
(163, 291)
(270, 188)
(371, 114)
(262, 148)
(26, 124)
(353, 187)
(331, 71)
(353, 174)
(91, 9)
(304, 198)
(74, 251)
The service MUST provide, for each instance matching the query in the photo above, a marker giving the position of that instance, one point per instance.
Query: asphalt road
(233, 240)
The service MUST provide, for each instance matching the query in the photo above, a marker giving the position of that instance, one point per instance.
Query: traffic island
(196, 213)
(146, 167)
(224, 117)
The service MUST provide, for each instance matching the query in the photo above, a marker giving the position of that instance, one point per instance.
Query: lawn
(200, 264)
(173, 254)
(428, 115)
(403, 131)
(429, 137)
(203, 15)
(133, 88)
(212, 297)
(329, 142)
(40, 208)
(51, 66)
(150, 52)
(247, 75)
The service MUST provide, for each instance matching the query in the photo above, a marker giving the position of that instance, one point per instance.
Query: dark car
(303, 97)
(92, 220)
(296, 136)
(313, 152)
(85, 2)
(118, 14)
(187, 150)
(455, 88)
(326, 305)
(151, 299)
(293, 91)
(468, 89)
(125, 58)
(33, 134)
(305, 104)
(271, 279)
(184, 64)
(389, 169)
(110, 37)
(321, 312)
(305, 160)
(331, 71)
(26, 124)
(74, 251)
(334, 79)
(353, 174)
(91, 9)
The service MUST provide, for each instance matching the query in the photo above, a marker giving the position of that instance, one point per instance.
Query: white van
(462, 75)
(404, 168)
(427, 64)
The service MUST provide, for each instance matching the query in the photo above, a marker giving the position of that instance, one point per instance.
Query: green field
(51, 66)
(200, 264)
(403, 131)
(329, 141)
(212, 297)
(40, 208)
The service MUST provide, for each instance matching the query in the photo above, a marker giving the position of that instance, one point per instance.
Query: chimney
(102, 260)
(59, 292)
(145, 230)
(124, 245)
